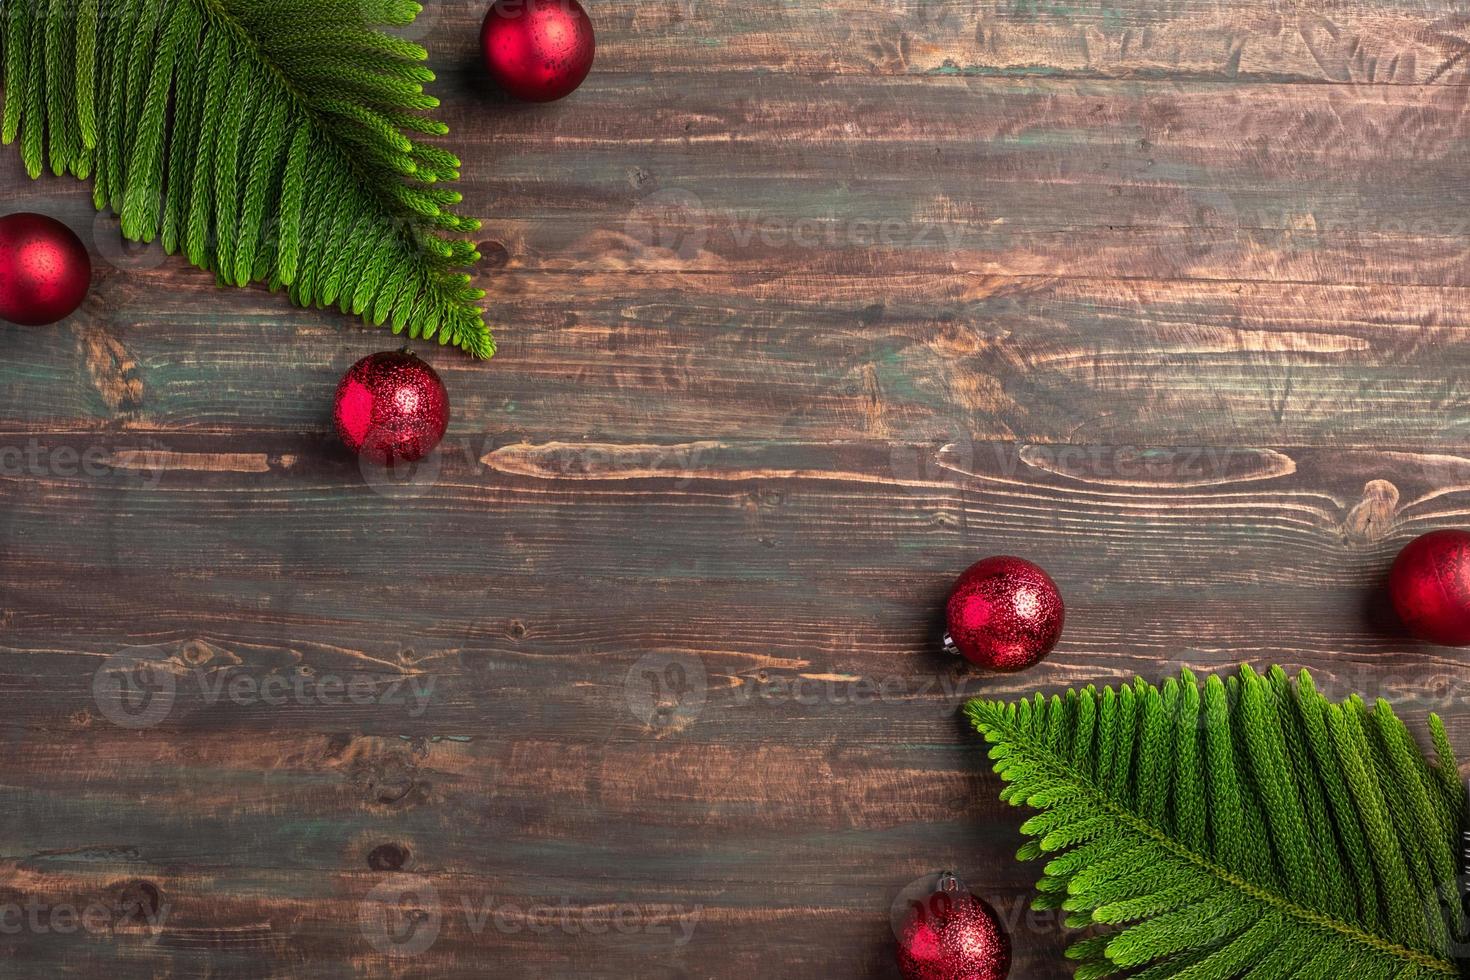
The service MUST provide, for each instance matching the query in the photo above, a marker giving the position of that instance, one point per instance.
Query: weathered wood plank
(674, 359)
(804, 307)
(1353, 42)
(780, 571)
(1029, 177)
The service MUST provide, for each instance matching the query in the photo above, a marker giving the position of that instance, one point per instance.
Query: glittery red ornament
(391, 407)
(538, 50)
(953, 935)
(1430, 585)
(1004, 613)
(44, 269)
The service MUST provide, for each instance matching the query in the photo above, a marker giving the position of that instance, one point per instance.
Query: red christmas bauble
(1004, 613)
(538, 50)
(45, 271)
(391, 407)
(953, 935)
(1430, 586)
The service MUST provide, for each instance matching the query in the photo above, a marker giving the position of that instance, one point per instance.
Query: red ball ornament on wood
(45, 271)
(1004, 613)
(538, 50)
(953, 935)
(1430, 586)
(391, 407)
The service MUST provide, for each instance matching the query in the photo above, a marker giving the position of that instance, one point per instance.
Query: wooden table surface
(803, 305)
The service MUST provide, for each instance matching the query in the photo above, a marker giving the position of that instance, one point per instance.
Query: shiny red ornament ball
(538, 50)
(45, 271)
(953, 935)
(1004, 613)
(391, 407)
(1430, 586)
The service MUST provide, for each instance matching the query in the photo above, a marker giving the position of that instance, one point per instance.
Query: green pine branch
(274, 141)
(1248, 829)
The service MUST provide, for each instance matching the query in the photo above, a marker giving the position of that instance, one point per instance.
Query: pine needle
(1252, 829)
(272, 141)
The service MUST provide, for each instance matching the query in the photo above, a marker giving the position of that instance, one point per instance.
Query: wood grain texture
(803, 307)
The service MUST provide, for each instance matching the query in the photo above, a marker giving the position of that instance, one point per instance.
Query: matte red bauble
(538, 50)
(391, 407)
(45, 271)
(953, 935)
(1004, 613)
(1430, 585)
